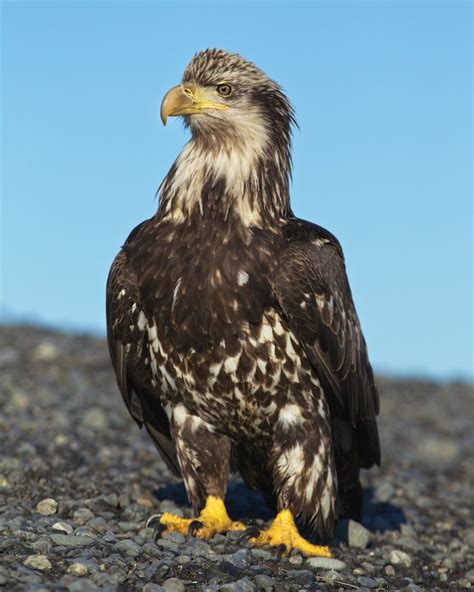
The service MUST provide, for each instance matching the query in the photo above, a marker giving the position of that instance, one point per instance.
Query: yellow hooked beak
(186, 100)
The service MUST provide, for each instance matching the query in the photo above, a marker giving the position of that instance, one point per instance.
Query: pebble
(240, 558)
(326, 563)
(63, 527)
(70, 540)
(356, 535)
(469, 539)
(45, 352)
(85, 585)
(152, 587)
(389, 570)
(470, 576)
(40, 562)
(78, 569)
(301, 576)
(265, 582)
(47, 507)
(261, 554)
(4, 482)
(95, 418)
(175, 537)
(243, 585)
(398, 557)
(82, 515)
(128, 547)
(367, 582)
(384, 492)
(173, 585)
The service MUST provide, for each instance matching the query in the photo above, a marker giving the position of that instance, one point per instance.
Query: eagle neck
(247, 180)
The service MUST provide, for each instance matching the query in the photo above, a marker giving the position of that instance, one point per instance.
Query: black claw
(153, 520)
(249, 533)
(194, 527)
(158, 531)
(281, 551)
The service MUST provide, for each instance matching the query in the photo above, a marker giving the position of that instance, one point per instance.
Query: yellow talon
(283, 531)
(212, 520)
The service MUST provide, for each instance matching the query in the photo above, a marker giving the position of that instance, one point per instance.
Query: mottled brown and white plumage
(231, 324)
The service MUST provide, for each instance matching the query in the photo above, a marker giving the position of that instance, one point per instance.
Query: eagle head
(227, 99)
(239, 156)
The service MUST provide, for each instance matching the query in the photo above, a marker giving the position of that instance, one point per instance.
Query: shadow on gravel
(244, 503)
(379, 515)
(241, 502)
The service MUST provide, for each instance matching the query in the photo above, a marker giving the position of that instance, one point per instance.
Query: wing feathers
(311, 287)
(127, 337)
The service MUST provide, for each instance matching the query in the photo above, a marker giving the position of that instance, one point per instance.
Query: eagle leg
(213, 519)
(203, 458)
(284, 535)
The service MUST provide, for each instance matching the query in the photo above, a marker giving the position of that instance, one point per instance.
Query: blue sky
(383, 156)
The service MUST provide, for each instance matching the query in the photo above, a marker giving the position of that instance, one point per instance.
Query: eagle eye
(224, 90)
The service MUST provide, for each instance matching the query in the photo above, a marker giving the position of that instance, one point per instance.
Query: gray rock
(367, 582)
(95, 418)
(82, 515)
(239, 558)
(356, 535)
(128, 547)
(243, 585)
(301, 576)
(167, 544)
(42, 545)
(384, 492)
(129, 526)
(407, 530)
(40, 562)
(70, 540)
(152, 587)
(85, 585)
(389, 570)
(398, 557)
(261, 554)
(47, 507)
(264, 582)
(78, 569)
(63, 527)
(469, 539)
(173, 585)
(198, 548)
(469, 575)
(97, 524)
(175, 537)
(326, 563)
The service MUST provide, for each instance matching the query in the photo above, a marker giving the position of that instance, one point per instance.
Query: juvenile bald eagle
(231, 324)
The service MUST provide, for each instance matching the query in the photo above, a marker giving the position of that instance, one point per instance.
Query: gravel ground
(78, 481)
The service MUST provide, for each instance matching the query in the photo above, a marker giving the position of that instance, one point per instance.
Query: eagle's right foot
(212, 520)
(283, 534)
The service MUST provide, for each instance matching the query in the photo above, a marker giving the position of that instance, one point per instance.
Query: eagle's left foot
(284, 535)
(212, 520)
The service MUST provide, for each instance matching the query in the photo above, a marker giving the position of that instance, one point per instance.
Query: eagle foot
(284, 535)
(212, 520)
